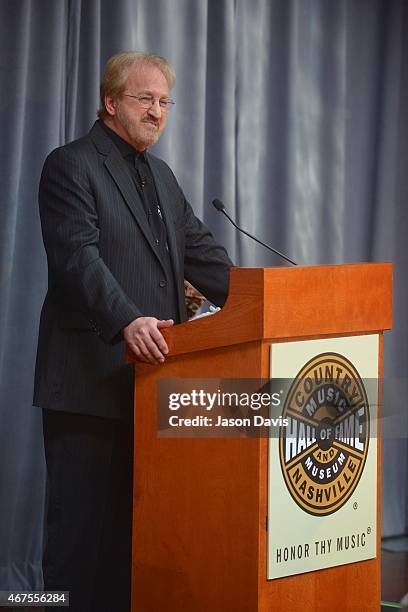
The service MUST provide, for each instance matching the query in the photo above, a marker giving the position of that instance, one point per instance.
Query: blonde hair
(117, 69)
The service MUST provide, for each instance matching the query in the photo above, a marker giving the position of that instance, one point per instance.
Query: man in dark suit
(120, 238)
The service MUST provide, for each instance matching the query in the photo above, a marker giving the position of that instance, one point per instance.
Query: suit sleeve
(206, 263)
(70, 229)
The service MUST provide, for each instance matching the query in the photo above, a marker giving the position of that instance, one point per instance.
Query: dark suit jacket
(105, 270)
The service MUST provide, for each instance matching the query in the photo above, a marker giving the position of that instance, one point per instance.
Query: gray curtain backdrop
(293, 112)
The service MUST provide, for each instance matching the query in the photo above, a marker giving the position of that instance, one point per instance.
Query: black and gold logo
(324, 447)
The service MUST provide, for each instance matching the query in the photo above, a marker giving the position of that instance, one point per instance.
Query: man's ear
(110, 105)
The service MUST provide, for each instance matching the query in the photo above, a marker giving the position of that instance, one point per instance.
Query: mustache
(151, 120)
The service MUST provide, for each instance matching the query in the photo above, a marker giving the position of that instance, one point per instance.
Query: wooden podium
(199, 534)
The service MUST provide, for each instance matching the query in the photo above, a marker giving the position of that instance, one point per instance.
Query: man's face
(139, 126)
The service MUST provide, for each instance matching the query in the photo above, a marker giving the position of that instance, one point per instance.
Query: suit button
(162, 283)
(157, 242)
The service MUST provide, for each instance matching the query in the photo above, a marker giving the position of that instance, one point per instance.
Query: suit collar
(100, 138)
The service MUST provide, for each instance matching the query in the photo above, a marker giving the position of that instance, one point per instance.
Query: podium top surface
(292, 303)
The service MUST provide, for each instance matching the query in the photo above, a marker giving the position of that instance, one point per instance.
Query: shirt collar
(124, 147)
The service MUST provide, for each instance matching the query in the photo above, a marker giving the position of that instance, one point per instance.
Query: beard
(142, 132)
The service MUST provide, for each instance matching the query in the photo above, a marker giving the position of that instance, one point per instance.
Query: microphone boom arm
(253, 237)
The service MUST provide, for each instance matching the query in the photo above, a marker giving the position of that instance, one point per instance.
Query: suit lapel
(123, 179)
(117, 168)
(165, 208)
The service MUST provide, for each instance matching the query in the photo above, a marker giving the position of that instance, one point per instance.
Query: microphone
(221, 208)
(142, 179)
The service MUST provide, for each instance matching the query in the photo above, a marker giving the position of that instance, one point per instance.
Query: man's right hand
(144, 338)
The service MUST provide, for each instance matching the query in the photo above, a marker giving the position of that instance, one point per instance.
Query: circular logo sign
(324, 446)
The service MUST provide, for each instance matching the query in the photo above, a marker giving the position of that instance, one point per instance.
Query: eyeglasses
(146, 101)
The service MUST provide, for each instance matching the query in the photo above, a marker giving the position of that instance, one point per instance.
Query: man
(120, 239)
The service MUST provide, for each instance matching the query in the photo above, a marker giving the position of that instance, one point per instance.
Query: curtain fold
(293, 112)
(32, 60)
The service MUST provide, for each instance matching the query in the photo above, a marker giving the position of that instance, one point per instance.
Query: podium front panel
(322, 467)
